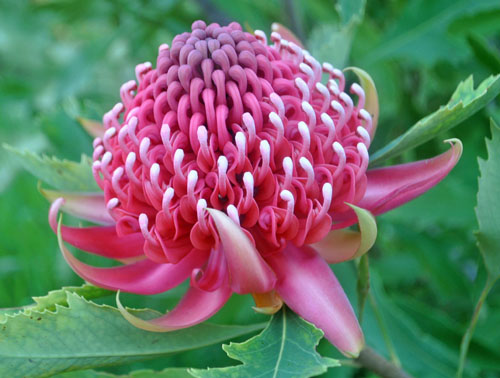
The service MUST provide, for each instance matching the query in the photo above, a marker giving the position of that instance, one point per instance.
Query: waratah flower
(231, 164)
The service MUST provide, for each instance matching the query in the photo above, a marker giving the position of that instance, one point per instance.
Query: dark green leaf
(286, 348)
(484, 53)
(464, 102)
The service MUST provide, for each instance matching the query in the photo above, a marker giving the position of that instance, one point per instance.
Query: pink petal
(88, 206)
(93, 128)
(248, 271)
(286, 34)
(144, 277)
(195, 307)
(393, 186)
(308, 286)
(102, 241)
(343, 245)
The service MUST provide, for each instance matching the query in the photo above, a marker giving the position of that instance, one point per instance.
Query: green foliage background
(65, 58)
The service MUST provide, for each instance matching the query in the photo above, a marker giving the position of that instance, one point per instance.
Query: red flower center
(227, 122)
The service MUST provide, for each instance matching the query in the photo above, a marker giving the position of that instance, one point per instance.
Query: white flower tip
(276, 120)
(327, 191)
(222, 163)
(248, 179)
(287, 196)
(337, 147)
(362, 150)
(288, 165)
(327, 120)
(305, 164)
(232, 213)
(365, 115)
(363, 134)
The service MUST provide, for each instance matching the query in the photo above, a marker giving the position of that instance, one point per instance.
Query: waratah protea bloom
(230, 164)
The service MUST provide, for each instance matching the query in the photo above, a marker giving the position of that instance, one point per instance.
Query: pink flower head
(224, 164)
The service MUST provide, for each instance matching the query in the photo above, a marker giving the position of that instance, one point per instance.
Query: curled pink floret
(221, 164)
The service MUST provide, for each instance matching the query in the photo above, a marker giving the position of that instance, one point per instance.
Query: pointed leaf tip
(248, 271)
(93, 128)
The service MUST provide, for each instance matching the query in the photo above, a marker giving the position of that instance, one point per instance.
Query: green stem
(371, 360)
(464, 345)
(385, 333)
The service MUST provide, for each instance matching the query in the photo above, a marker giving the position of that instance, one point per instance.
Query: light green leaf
(351, 11)
(488, 205)
(59, 297)
(61, 174)
(85, 335)
(464, 102)
(329, 43)
(285, 348)
(166, 373)
(332, 42)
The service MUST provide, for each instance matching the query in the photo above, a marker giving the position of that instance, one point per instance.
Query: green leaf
(59, 297)
(488, 205)
(484, 53)
(332, 42)
(421, 35)
(166, 373)
(61, 174)
(285, 348)
(464, 102)
(351, 11)
(85, 335)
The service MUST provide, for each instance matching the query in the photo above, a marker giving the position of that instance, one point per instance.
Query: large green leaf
(488, 205)
(85, 335)
(464, 102)
(166, 373)
(286, 348)
(421, 35)
(61, 174)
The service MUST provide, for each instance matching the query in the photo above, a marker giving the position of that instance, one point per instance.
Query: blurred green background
(65, 58)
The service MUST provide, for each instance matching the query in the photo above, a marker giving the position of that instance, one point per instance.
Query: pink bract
(223, 165)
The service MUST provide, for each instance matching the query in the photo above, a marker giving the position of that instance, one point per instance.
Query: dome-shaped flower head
(233, 165)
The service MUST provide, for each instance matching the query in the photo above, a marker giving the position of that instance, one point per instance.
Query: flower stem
(464, 345)
(383, 328)
(371, 360)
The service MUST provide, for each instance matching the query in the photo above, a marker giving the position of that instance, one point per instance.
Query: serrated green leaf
(61, 174)
(488, 205)
(85, 335)
(464, 102)
(166, 373)
(285, 348)
(59, 297)
(54, 298)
